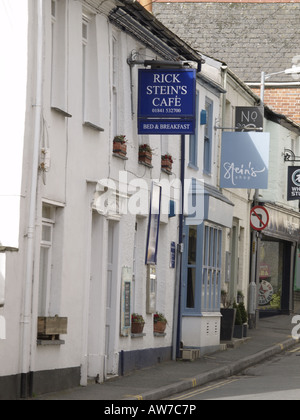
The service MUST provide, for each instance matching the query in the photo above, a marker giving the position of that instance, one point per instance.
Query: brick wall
(284, 101)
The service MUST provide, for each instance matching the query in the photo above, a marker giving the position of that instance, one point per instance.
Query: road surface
(276, 379)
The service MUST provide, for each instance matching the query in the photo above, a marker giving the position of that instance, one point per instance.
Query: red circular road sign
(259, 218)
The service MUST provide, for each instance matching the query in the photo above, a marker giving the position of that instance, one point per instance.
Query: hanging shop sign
(259, 218)
(293, 183)
(245, 160)
(167, 101)
(249, 117)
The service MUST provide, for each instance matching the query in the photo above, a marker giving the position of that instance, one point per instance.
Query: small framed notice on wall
(126, 301)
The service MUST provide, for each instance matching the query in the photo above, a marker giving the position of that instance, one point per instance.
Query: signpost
(167, 101)
(259, 218)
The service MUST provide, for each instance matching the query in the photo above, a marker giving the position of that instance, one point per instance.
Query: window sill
(44, 343)
(93, 126)
(62, 112)
(138, 335)
(159, 334)
(120, 156)
(146, 164)
(166, 171)
(192, 166)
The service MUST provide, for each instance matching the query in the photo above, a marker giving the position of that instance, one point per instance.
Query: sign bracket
(164, 64)
(239, 128)
(289, 156)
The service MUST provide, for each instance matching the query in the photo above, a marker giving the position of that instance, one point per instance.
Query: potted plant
(120, 146)
(167, 162)
(240, 296)
(228, 318)
(137, 324)
(244, 316)
(160, 323)
(145, 154)
(238, 328)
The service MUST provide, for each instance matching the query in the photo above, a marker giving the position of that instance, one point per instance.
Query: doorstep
(236, 342)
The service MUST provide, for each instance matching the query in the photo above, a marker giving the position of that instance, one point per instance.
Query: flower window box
(145, 155)
(120, 146)
(166, 163)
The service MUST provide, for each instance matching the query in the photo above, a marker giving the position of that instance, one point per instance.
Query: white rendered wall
(13, 79)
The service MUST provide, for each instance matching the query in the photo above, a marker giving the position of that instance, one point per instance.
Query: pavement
(273, 336)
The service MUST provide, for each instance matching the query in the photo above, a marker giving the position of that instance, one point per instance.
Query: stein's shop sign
(167, 101)
(245, 160)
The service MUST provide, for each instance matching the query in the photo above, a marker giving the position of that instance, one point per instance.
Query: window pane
(218, 245)
(44, 270)
(193, 158)
(47, 233)
(191, 283)
(212, 248)
(208, 136)
(192, 245)
(203, 294)
(46, 212)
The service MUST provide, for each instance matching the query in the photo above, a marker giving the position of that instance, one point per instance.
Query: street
(276, 379)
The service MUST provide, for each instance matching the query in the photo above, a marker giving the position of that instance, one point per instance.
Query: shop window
(203, 269)
(192, 265)
(211, 271)
(271, 275)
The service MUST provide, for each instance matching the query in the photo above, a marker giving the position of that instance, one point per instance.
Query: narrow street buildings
(77, 184)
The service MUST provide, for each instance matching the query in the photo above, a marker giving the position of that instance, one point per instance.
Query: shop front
(277, 266)
(202, 269)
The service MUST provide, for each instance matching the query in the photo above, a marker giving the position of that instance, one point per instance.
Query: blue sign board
(170, 126)
(167, 101)
(245, 160)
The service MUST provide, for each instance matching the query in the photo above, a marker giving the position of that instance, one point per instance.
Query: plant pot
(160, 327)
(166, 165)
(238, 331)
(120, 148)
(227, 324)
(145, 157)
(137, 327)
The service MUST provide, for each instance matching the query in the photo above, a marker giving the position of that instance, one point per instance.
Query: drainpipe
(177, 301)
(26, 320)
(224, 69)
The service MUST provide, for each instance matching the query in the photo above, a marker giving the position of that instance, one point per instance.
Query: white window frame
(115, 84)
(208, 138)
(85, 24)
(211, 268)
(59, 57)
(45, 283)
